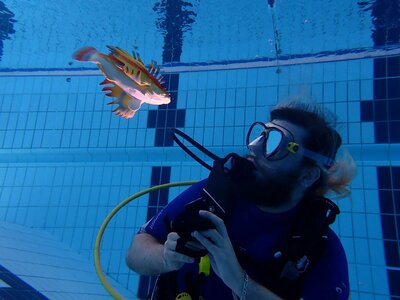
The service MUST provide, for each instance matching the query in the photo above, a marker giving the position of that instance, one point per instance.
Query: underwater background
(66, 161)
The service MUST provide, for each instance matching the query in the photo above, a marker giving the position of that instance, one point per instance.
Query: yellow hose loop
(103, 226)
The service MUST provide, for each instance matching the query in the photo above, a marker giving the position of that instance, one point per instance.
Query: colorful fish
(131, 82)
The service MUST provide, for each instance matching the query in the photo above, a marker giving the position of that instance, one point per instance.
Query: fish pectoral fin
(113, 91)
(127, 105)
(106, 81)
(135, 103)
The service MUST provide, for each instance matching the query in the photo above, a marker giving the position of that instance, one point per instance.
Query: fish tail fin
(85, 54)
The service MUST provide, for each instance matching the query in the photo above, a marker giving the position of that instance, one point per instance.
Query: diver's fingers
(211, 246)
(217, 221)
(170, 243)
(173, 236)
(213, 236)
(172, 258)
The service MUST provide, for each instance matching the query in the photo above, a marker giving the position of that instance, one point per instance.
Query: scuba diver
(258, 226)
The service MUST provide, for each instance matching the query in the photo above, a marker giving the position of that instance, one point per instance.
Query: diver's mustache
(239, 167)
(252, 158)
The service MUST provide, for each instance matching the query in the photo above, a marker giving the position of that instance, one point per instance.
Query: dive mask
(275, 142)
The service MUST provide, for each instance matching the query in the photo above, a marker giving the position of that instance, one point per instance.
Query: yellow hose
(103, 226)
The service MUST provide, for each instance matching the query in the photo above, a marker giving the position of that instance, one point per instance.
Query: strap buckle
(292, 270)
(332, 210)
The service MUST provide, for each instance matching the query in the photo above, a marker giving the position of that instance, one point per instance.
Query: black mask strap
(174, 132)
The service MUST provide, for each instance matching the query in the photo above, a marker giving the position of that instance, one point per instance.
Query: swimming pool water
(66, 161)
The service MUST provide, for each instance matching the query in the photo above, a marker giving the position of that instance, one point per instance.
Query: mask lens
(255, 135)
(273, 141)
(265, 140)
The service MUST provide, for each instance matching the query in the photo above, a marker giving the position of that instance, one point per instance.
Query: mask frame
(282, 144)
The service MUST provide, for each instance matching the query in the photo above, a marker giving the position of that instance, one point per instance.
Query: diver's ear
(310, 175)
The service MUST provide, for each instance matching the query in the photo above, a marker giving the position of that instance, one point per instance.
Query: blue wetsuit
(259, 235)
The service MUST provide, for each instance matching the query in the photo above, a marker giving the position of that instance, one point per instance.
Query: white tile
(359, 225)
(361, 251)
(365, 283)
(367, 132)
(371, 201)
(374, 226)
(377, 252)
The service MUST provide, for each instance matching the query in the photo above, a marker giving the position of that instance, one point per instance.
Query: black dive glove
(216, 196)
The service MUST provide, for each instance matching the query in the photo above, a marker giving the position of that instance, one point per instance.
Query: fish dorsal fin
(139, 59)
(125, 58)
(134, 67)
(150, 68)
(157, 71)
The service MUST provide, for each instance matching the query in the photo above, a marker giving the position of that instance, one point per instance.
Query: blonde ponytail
(339, 177)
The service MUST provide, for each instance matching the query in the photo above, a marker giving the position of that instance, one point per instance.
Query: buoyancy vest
(284, 273)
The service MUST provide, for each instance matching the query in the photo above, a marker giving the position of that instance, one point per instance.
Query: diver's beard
(272, 190)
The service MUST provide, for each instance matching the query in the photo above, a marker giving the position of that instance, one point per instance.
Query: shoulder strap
(305, 243)
(302, 248)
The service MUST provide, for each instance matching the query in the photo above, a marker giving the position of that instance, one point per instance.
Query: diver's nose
(252, 149)
(256, 147)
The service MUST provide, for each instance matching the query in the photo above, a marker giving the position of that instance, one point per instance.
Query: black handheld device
(227, 177)
(190, 220)
(219, 192)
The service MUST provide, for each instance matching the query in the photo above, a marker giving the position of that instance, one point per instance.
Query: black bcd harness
(285, 272)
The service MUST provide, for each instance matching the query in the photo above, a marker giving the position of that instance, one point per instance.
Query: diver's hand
(174, 260)
(222, 256)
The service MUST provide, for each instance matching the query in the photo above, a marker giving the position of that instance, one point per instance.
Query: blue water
(66, 161)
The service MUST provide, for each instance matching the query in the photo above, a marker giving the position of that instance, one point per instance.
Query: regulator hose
(103, 226)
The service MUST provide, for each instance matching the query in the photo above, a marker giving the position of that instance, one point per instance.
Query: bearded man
(272, 240)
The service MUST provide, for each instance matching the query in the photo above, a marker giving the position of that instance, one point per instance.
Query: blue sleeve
(158, 226)
(329, 279)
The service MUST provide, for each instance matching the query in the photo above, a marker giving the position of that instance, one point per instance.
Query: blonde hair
(338, 177)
